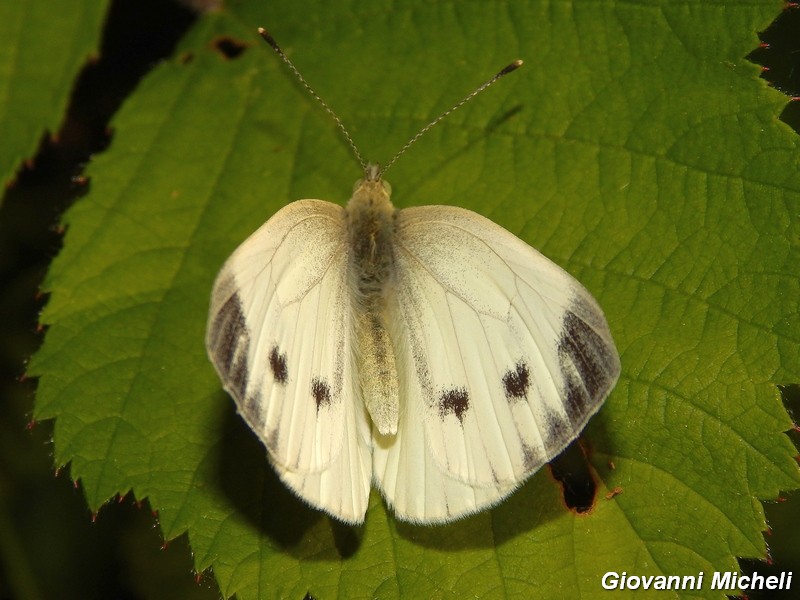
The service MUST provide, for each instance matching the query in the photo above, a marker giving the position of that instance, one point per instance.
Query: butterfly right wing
(503, 355)
(279, 336)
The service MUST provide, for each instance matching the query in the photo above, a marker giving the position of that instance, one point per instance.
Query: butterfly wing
(279, 335)
(505, 356)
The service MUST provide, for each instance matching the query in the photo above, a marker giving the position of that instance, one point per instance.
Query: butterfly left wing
(509, 354)
(279, 336)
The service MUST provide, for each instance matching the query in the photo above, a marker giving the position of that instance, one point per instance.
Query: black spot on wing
(321, 393)
(229, 341)
(517, 382)
(455, 401)
(277, 364)
(587, 364)
(578, 401)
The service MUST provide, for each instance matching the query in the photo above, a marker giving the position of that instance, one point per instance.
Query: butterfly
(425, 349)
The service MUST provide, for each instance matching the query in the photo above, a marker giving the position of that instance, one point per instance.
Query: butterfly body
(370, 229)
(427, 350)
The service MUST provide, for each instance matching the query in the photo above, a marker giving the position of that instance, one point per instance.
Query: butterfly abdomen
(370, 223)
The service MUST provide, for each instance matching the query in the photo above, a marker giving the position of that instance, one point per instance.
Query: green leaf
(635, 148)
(44, 46)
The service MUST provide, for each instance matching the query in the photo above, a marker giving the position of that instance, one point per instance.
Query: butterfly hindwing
(414, 484)
(510, 354)
(342, 488)
(278, 334)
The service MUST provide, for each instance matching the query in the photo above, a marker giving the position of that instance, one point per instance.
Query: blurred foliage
(51, 545)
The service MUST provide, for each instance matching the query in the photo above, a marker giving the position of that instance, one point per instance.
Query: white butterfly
(426, 349)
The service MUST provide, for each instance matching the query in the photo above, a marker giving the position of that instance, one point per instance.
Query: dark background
(51, 546)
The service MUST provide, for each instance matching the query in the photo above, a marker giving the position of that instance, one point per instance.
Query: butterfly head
(372, 183)
(372, 172)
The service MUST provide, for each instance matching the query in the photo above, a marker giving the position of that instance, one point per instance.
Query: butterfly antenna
(271, 41)
(371, 171)
(505, 71)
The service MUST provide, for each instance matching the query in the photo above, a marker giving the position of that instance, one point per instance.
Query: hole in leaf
(571, 470)
(229, 47)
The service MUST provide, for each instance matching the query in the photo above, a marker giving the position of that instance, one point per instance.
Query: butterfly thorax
(370, 226)
(370, 222)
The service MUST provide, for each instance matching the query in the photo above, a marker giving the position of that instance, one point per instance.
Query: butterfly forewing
(278, 334)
